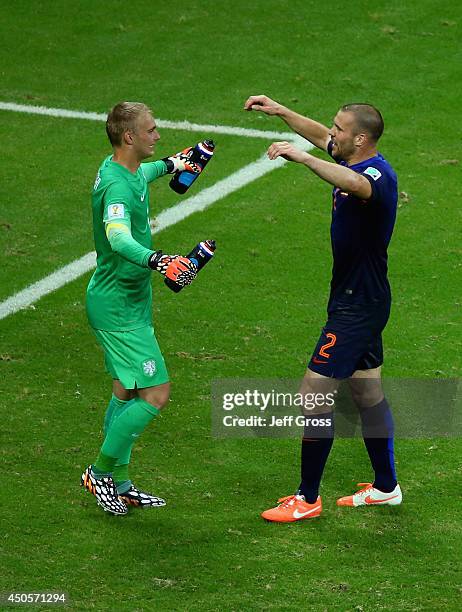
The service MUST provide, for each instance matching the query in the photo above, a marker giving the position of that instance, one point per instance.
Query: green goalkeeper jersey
(119, 294)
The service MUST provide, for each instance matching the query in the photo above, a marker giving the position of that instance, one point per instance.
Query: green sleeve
(154, 170)
(117, 220)
(117, 203)
(123, 243)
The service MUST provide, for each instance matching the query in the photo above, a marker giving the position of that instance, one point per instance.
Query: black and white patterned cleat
(135, 497)
(105, 492)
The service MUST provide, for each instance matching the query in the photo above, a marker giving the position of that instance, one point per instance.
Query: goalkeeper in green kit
(119, 299)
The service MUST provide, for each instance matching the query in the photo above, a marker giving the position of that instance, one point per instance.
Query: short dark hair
(123, 117)
(368, 118)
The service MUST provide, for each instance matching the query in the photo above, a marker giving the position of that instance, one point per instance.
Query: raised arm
(339, 176)
(178, 269)
(169, 165)
(313, 131)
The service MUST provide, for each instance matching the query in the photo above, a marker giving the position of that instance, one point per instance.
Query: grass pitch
(254, 312)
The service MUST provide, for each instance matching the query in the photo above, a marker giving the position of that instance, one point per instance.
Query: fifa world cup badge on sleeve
(373, 172)
(115, 211)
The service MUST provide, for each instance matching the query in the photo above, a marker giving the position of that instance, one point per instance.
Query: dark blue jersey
(360, 233)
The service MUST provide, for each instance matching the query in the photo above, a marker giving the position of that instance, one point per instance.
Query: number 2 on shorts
(332, 340)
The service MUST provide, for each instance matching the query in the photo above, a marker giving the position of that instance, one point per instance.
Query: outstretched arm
(169, 165)
(344, 178)
(313, 131)
(122, 242)
(179, 269)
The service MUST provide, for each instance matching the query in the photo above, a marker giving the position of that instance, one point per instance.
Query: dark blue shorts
(350, 340)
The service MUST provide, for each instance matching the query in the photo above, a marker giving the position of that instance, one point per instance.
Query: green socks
(114, 410)
(121, 478)
(105, 464)
(116, 405)
(123, 431)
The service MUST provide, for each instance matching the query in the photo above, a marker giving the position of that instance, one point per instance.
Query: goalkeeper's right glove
(181, 161)
(179, 269)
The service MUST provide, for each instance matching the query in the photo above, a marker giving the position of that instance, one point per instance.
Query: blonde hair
(123, 117)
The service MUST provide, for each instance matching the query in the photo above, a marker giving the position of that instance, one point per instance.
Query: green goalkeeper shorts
(133, 357)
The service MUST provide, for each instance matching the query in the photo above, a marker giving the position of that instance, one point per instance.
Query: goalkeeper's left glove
(180, 161)
(180, 270)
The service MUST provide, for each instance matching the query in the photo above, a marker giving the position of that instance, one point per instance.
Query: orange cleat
(292, 508)
(370, 496)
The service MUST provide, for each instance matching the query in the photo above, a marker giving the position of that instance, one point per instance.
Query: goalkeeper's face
(144, 136)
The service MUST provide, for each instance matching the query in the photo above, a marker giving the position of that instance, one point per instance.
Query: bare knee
(121, 393)
(316, 383)
(317, 391)
(156, 396)
(366, 389)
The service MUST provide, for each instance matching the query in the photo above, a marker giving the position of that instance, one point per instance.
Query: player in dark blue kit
(364, 202)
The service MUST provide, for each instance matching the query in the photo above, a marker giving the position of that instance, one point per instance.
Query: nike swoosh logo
(316, 360)
(298, 514)
(369, 499)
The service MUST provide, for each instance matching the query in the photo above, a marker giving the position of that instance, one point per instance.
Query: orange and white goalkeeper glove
(179, 269)
(181, 161)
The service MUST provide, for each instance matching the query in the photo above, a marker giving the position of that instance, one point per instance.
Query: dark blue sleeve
(382, 183)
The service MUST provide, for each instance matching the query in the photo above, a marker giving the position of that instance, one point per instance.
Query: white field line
(165, 219)
(162, 123)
